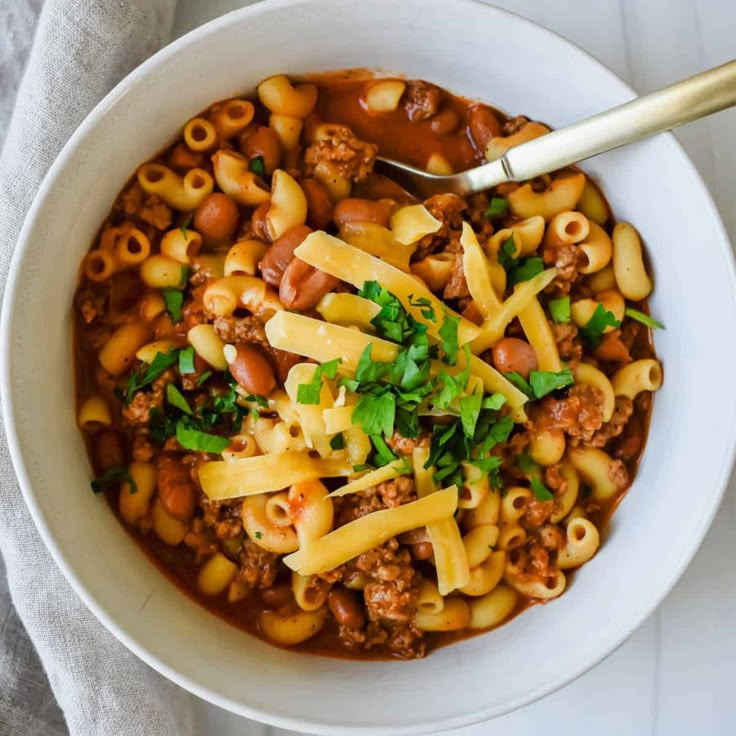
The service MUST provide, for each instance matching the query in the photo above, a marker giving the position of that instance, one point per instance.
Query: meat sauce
(429, 121)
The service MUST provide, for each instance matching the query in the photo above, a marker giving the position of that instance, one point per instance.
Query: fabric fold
(80, 51)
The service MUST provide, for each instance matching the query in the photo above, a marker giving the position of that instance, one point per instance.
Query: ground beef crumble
(579, 414)
(448, 209)
(615, 426)
(569, 344)
(348, 156)
(567, 259)
(258, 567)
(421, 100)
(406, 445)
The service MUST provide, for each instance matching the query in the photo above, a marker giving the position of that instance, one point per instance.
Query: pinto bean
(109, 450)
(422, 550)
(262, 141)
(277, 596)
(252, 370)
(483, 125)
(302, 285)
(319, 206)
(216, 218)
(444, 122)
(512, 354)
(353, 209)
(176, 488)
(345, 608)
(280, 254)
(182, 158)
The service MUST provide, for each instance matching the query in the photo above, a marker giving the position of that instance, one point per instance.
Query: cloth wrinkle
(47, 635)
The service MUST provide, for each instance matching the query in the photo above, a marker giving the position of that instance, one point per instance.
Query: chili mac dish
(346, 420)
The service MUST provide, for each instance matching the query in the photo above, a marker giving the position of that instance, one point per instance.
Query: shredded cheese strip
(478, 275)
(338, 419)
(323, 342)
(264, 473)
(372, 530)
(310, 416)
(374, 477)
(450, 557)
(493, 328)
(350, 264)
(539, 333)
(348, 309)
(378, 241)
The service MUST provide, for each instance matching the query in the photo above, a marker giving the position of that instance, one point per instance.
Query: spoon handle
(680, 103)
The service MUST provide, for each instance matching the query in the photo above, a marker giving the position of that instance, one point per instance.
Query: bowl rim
(649, 603)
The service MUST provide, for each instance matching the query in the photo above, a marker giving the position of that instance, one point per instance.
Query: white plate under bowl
(472, 50)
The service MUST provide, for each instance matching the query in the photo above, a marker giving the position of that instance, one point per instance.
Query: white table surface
(676, 673)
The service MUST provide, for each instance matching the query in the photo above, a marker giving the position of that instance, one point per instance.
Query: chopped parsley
(174, 299)
(259, 535)
(176, 398)
(527, 269)
(518, 269)
(308, 393)
(526, 464)
(597, 324)
(186, 361)
(193, 439)
(645, 319)
(114, 474)
(186, 224)
(257, 166)
(497, 208)
(541, 383)
(202, 378)
(144, 375)
(559, 310)
(540, 491)
(427, 309)
(448, 335)
(393, 322)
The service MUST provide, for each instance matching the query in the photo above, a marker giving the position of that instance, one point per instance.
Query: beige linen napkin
(82, 48)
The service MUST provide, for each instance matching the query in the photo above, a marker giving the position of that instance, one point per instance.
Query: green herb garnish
(559, 310)
(186, 361)
(518, 269)
(202, 378)
(527, 269)
(525, 463)
(186, 224)
(497, 207)
(257, 167)
(426, 307)
(174, 299)
(541, 383)
(645, 319)
(337, 442)
(448, 335)
(193, 439)
(147, 374)
(114, 474)
(597, 324)
(540, 491)
(176, 398)
(308, 393)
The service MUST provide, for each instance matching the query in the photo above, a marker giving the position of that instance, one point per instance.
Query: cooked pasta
(347, 420)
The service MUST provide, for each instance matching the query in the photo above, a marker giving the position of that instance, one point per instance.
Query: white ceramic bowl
(476, 51)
